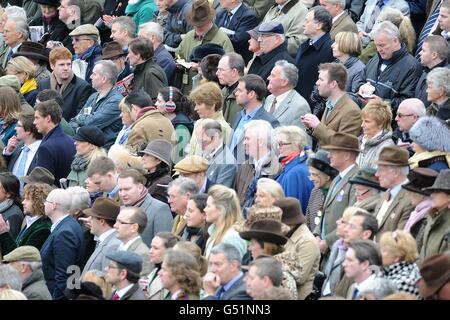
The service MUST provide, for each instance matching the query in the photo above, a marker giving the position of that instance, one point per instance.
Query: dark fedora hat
(321, 162)
(393, 156)
(32, 50)
(435, 274)
(201, 51)
(266, 230)
(292, 211)
(53, 3)
(442, 182)
(420, 178)
(343, 141)
(201, 12)
(104, 208)
(111, 50)
(366, 177)
(39, 175)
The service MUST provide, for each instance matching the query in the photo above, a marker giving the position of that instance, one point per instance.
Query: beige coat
(140, 248)
(303, 243)
(343, 23)
(155, 290)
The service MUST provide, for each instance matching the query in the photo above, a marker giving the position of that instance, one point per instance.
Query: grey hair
(139, 217)
(109, 70)
(289, 72)
(34, 265)
(439, 78)
(211, 127)
(235, 61)
(387, 28)
(380, 287)
(229, 251)
(62, 197)
(22, 28)
(80, 198)
(295, 135)
(153, 27)
(270, 267)
(340, 3)
(415, 106)
(185, 185)
(126, 23)
(10, 277)
(15, 13)
(262, 129)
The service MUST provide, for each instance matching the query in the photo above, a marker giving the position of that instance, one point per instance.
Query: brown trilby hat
(111, 50)
(104, 208)
(267, 230)
(442, 182)
(292, 211)
(343, 141)
(160, 149)
(261, 213)
(366, 177)
(435, 273)
(420, 178)
(201, 13)
(32, 50)
(393, 156)
(39, 175)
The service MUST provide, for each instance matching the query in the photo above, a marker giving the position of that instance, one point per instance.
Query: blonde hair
(227, 202)
(379, 111)
(270, 187)
(124, 159)
(404, 25)
(294, 134)
(400, 244)
(96, 153)
(349, 43)
(21, 64)
(97, 277)
(400, 296)
(194, 249)
(11, 294)
(349, 212)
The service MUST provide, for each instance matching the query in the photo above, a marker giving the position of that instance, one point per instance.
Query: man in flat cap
(87, 50)
(102, 217)
(195, 167)
(27, 261)
(123, 273)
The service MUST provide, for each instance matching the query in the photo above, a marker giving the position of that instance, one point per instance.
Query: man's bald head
(408, 112)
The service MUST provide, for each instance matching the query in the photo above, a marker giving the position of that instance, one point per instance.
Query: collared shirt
(212, 154)
(445, 34)
(33, 150)
(332, 103)
(259, 164)
(31, 220)
(124, 247)
(104, 235)
(365, 284)
(395, 190)
(176, 294)
(281, 98)
(55, 224)
(235, 10)
(343, 173)
(338, 16)
(113, 192)
(239, 131)
(123, 291)
(203, 188)
(230, 283)
(315, 39)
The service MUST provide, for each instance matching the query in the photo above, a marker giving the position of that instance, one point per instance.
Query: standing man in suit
(129, 226)
(341, 114)
(57, 149)
(222, 164)
(235, 19)
(344, 148)
(101, 218)
(392, 172)
(250, 93)
(314, 51)
(341, 19)
(133, 193)
(225, 281)
(123, 273)
(64, 247)
(284, 103)
(20, 152)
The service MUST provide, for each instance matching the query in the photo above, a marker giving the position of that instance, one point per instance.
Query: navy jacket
(62, 249)
(243, 20)
(236, 292)
(165, 60)
(307, 61)
(177, 23)
(56, 153)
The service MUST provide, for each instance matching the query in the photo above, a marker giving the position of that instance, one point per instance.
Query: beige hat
(23, 253)
(85, 30)
(191, 164)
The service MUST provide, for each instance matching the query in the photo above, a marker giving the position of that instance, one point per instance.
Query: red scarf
(285, 160)
(144, 110)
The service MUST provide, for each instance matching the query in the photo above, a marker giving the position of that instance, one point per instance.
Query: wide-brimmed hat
(393, 156)
(442, 182)
(32, 50)
(257, 213)
(111, 50)
(104, 208)
(343, 141)
(91, 134)
(292, 211)
(39, 175)
(160, 149)
(420, 178)
(267, 230)
(366, 177)
(435, 274)
(321, 161)
(201, 12)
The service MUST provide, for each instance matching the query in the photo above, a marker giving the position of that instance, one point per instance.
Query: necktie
(331, 193)
(228, 19)
(272, 106)
(115, 297)
(9, 55)
(20, 172)
(220, 292)
(427, 29)
(355, 294)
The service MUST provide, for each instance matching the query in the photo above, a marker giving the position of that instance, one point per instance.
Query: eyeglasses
(123, 222)
(401, 115)
(79, 39)
(51, 202)
(281, 144)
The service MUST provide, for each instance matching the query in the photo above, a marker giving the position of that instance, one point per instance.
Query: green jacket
(34, 236)
(230, 106)
(434, 240)
(141, 12)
